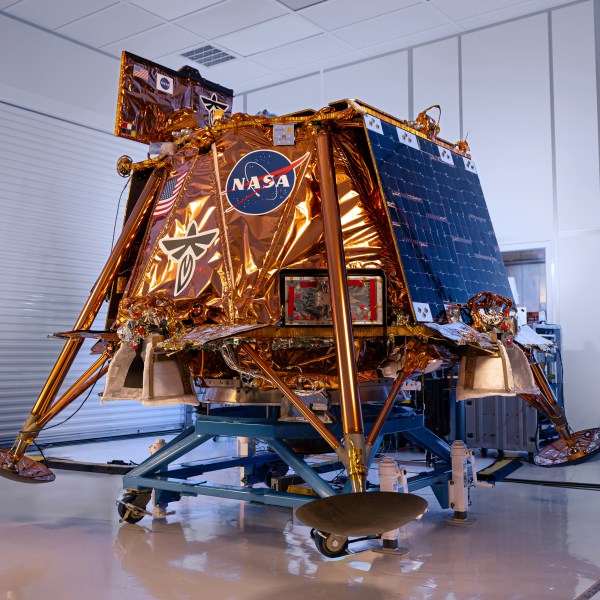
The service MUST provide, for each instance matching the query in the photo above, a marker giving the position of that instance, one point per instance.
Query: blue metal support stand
(171, 482)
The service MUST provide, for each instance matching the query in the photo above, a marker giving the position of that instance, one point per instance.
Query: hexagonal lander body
(312, 264)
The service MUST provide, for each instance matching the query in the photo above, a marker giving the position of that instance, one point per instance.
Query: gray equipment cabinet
(501, 423)
(507, 422)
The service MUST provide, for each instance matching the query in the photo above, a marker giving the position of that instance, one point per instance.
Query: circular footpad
(362, 513)
(26, 470)
(558, 453)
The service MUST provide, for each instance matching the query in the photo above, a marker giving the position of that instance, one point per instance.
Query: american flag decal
(169, 195)
(141, 72)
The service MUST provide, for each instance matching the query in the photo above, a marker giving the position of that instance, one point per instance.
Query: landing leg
(571, 447)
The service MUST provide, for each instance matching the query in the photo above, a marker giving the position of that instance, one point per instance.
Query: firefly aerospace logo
(262, 181)
(213, 104)
(185, 251)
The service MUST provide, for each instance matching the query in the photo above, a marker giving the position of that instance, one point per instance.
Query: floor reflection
(63, 540)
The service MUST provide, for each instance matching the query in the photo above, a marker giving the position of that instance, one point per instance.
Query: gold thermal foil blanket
(234, 214)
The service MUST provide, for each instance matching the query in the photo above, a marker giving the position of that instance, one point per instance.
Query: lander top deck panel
(440, 221)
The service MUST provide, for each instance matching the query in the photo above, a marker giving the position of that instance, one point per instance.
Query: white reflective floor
(62, 541)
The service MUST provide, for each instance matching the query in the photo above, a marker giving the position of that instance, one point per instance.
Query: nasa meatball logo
(164, 83)
(262, 181)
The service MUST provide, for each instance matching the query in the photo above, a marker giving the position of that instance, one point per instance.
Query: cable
(40, 451)
(112, 243)
(80, 406)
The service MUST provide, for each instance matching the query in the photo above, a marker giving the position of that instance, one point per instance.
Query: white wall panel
(576, 117)
(581, 347)
(381, 82)
(46, 73)
(287, 97)
(238, 103)
(435, 81)
(58, 196)
(506, 109)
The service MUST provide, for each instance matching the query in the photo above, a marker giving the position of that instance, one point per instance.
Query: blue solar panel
(441, 224)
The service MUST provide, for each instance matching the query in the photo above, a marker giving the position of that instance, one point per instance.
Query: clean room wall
(297, 94)
(578, 205)
(575, 118)
(579, 289)
(436, 81)
(381, 82)
(70, 81)
(506, 108)
(316, 91)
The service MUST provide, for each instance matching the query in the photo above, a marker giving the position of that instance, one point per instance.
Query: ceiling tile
(58, 12)
(340, 13)
(158, 41)
(231, 16)
(313, 49)
(508, 12)
(6, 3)
(273, 33)
(463, 9)
(175, 62)
(233, 71)
(534, 5)
(173, 9)
(110, 25)
(392, 26)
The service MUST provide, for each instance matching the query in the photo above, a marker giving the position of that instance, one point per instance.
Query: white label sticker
(373, 123)
(410, 139)
(283, 134)
(445, 155)
(422, 312)
(470, 165)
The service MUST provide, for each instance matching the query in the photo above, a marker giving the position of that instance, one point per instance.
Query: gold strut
(387, 407)
(41, 412)
(352, 420)
(306, 412)
(417, 356)
(547, 404)
(84, 382)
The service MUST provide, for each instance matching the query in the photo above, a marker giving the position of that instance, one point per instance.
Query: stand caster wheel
(132, 507)
(330, 545)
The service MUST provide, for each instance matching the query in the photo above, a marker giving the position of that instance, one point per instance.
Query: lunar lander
(288, 276)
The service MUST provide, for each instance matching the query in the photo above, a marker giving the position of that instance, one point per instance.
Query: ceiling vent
(208, 56)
